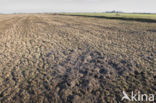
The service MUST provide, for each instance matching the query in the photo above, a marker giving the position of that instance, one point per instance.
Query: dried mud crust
(57, 59)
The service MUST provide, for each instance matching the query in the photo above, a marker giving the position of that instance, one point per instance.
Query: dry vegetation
(48, 58)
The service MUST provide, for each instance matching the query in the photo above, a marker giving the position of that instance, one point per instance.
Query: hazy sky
(11, 6)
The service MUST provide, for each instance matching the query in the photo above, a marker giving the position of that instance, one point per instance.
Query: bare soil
(48, 58)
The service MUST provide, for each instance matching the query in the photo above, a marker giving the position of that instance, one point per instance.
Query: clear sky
(31, 6)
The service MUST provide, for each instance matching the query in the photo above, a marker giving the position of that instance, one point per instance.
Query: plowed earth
(48, 58)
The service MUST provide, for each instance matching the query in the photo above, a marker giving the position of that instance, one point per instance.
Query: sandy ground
(63, 59)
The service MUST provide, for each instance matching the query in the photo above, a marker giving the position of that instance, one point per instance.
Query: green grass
(124, 15)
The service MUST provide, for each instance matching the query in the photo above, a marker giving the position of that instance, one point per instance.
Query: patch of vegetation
(122, 16)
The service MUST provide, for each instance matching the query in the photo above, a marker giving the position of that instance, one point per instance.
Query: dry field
(47, 58)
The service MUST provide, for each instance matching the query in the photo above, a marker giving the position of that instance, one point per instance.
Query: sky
(34, 6)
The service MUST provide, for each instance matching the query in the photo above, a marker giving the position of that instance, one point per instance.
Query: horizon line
(79, 12)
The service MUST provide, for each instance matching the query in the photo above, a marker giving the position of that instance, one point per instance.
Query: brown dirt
(63, 59)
